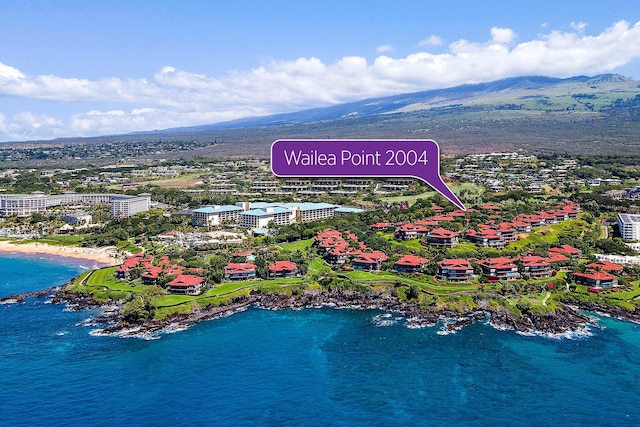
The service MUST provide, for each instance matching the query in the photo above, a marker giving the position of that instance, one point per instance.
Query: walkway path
(546, 297)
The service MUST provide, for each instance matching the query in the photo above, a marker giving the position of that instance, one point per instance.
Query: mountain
(531, 93)
(577, 115)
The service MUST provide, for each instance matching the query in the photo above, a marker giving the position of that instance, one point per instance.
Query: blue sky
(83, 68)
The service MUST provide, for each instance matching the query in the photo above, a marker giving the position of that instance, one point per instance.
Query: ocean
(314, 367)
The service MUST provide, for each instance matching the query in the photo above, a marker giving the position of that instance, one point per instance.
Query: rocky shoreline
(565, 321)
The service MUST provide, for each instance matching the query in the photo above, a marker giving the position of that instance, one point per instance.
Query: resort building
(567, 250)
(307, 212)
(187, 284)
(596, 279)
(215, 215)
(487, 237)
(27, 204)
(410, 231)
(509, 234)
(410, 264)
(370, 261)
(629, 225)
(127, 206)
(455, 270)
(261, 217)
(240, 271)
(283, 269)
(536, 267)
(499, 269)
(604, 265)
(442, 238)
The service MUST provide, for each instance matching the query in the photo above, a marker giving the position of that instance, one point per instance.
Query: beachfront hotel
(120, 205)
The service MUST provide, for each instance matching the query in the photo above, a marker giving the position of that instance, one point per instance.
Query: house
(522, 226)
(410, 264)
(536, 267)
(499, 269)
(239, 271)
(487, 237)
(605, 265)
(455, 270)
(122, 272)
(442, 238)
(410, 231)
(338, 255)
(150, 277)
(381, 226)
(509, 234)
(567, 250)
(596, 279)
(283, 269)
(369, 261)
(187, 284)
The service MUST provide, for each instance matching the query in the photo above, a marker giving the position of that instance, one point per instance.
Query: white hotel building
(27, 204)
(259, 214)
(629, 225)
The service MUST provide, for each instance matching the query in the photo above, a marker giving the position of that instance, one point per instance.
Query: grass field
(182, 181)
(299, 245)
(456, 187)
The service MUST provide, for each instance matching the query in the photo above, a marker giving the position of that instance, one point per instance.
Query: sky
(75, 68)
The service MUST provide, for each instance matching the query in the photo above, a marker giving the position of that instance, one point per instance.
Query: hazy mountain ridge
(582, 114)
(510, 91)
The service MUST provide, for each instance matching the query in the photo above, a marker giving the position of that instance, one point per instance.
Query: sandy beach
(102, 256)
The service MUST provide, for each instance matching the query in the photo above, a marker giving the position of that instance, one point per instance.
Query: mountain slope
(532, 93)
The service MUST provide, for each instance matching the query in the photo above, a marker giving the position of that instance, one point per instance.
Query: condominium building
(27, 204)
(629, 225)
(126, 206)
(216, 215)
(260, 218)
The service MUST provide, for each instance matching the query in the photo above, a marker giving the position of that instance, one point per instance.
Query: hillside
(582, 114)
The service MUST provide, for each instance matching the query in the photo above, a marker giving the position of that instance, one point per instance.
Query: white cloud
(174, 97)
(384, 48)
(432, 40)
(502, 35)
(578, 26)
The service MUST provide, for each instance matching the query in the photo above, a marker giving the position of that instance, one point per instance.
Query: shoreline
(103, 257)
(566, 322)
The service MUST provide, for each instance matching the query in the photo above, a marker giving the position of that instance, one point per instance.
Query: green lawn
(318, 265)
(299, 245)
(412, 244)
(456, 187)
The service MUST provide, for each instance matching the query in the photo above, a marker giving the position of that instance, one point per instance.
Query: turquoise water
(310, 367)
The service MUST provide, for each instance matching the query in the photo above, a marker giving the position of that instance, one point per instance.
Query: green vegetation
(300, 245)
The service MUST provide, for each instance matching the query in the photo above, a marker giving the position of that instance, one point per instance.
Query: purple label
(416, 158)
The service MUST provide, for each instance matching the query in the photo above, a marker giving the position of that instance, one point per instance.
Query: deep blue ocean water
(310, 367)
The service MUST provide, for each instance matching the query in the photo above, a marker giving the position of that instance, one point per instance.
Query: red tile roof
(500, 262)
(596, 275)
(412, 261)
(186, 280)
(243, 267)
(605, 265)
(566, 249)
(442, 233)
(413, 227)
(283, 266)
(380, 225)
(455, 264)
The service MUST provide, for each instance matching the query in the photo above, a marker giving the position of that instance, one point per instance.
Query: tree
(413, 292)
(134, 310)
